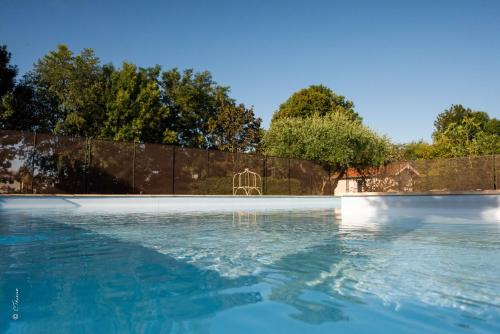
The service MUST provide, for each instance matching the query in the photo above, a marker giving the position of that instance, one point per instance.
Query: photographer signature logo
(15, 306)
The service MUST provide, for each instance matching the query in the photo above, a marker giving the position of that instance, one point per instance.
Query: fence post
(133, 168)
(311, 183)
(89, 152)
(400, 182)
(289, 186)
(173, 170)
(33, 162)
(264, 186)
(85, 166)
(208, 172)
(494, 172)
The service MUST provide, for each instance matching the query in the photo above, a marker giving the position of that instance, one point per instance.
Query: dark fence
(474, 173)
(50, 164)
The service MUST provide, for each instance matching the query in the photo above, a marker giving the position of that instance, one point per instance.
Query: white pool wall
(170, 203)
(367, 207)
(353, 208)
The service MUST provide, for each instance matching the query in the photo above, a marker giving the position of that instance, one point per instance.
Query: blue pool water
(65, 271)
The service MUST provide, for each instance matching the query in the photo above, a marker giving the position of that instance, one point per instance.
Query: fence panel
(111, 167)
(277, 181)
(221, 168)
(60, 164)
(16, 162)
(153, 169)
(301, 177)
(45, 163)
(190, 171)
(456, 174)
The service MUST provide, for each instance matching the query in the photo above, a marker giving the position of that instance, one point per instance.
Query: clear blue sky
(401, 62)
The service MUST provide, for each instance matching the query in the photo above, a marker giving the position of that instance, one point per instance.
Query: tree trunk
(335, 182)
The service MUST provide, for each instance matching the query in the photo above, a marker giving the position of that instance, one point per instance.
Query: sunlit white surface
(170, 203)
(365, 208)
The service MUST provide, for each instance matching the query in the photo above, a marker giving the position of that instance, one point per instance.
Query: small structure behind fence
(50, 164)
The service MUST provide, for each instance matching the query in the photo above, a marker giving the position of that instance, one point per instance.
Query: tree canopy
(333, 140)
(459, 131)
(315, 100)
(74, 94)
(76, 84)
(135, 110)
(234, 126)
(456, 114)
(8, 72)
(318, 125)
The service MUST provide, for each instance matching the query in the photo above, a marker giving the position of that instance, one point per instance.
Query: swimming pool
(249, 265)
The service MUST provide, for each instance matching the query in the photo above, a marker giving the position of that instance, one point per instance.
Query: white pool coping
(170, 203)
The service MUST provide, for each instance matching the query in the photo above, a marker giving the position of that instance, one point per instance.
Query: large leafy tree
(8, 71)
(22, 107)
(333, 140)
(191, 97)
(235, 127)
(203, 115)
(457, 114)
(73, 94)
(459, 131)
(28, 107)
(317, 124)
(467, 136)
(134, 110)
(76, 82)
(316, 100)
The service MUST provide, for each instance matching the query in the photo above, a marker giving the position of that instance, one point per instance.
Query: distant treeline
(458, 132)
(76, 95)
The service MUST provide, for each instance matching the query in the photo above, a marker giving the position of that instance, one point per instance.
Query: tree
(414, 151)
(458, 114)
(334, 140)
(73, 94)
(315, 100)
(466, 137)
(461, 131)
(134, 110)
(76, 83)
(191, 97)
(235, 128)
(22, 106)
(7, 72)
(27, 108)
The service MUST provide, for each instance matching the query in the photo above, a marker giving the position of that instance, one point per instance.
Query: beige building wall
(346, 186)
